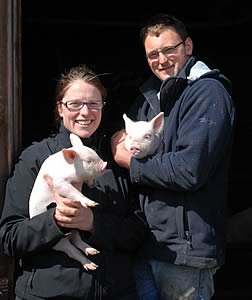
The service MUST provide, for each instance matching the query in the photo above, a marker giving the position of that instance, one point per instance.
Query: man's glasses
(76, 105)
(166, 51)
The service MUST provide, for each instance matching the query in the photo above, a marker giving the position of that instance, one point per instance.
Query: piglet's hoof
(91, 251)
(90, 266)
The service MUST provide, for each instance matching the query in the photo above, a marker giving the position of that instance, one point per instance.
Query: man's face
(167, 53)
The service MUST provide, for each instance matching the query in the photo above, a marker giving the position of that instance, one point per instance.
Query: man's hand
(69, 213)
(121, 155)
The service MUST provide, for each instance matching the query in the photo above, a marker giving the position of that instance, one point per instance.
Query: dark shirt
(118, 231)
(183, 189)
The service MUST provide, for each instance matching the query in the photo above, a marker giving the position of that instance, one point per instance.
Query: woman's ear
(59, 108)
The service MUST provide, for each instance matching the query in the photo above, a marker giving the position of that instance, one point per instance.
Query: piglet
(143, 137)
(69, 169)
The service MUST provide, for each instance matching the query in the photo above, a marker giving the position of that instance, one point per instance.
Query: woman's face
(86, 120)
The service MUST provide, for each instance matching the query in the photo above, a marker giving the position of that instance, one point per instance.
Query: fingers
(66, 221)
(70, 209)
(67, 211)
(117, 142)
(71, 204)
(66, 217)
(49, 181)
(72, 218)
(118, 137)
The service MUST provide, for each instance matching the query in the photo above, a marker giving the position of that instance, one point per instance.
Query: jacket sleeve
(201, 139)
(118, 223)
(20, 235)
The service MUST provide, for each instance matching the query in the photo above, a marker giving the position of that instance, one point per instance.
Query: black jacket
(48, 274)
(184, 188)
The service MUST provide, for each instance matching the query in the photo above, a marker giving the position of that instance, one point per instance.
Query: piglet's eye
(147, 136)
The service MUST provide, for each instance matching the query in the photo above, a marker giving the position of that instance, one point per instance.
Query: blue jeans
(165, 281)
(145, 281)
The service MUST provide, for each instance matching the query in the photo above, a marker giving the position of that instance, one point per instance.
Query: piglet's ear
(128, 123)
(75, 140)
(158, 122)
(69, 155)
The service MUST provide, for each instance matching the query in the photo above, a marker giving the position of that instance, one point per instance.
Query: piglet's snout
(135, 149)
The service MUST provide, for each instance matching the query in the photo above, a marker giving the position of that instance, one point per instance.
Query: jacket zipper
(189, 239)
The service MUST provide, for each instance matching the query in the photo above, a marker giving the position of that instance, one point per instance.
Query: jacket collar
(152, 86)
(92, 142)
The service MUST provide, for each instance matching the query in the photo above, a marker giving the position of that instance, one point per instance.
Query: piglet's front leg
(69, 191)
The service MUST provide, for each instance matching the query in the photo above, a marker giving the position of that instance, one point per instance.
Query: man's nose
(161, 57)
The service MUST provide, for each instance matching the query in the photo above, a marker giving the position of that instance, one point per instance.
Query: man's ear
(189, 46)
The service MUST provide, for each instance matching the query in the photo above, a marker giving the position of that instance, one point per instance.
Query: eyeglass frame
(170, 49)
(87, 103)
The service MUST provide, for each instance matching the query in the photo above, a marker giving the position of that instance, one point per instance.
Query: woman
(112, 227)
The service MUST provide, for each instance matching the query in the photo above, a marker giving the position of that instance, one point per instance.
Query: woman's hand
(70, 213)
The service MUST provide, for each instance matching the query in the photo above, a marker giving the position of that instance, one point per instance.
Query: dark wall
(57, 35)
(60, 34)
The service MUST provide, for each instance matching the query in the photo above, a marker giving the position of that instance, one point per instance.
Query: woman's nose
(84, 109)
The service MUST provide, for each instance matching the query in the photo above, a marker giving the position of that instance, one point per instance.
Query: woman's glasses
(77, 105)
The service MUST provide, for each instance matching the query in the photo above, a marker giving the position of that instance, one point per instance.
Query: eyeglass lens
(75, 105)
(165, 51)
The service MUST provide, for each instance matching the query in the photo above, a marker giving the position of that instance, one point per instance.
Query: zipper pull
(189, 238)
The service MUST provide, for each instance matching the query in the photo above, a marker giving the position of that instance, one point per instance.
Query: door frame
(10, 109)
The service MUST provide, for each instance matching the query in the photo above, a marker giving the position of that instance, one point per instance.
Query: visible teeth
(84, 122)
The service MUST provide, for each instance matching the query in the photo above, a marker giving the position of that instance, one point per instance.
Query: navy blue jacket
(184, 187)
(43, 273)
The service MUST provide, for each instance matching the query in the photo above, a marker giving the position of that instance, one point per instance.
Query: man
(183, 188)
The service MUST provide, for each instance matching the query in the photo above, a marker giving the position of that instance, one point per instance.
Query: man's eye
(167, 50)
(153, 55)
